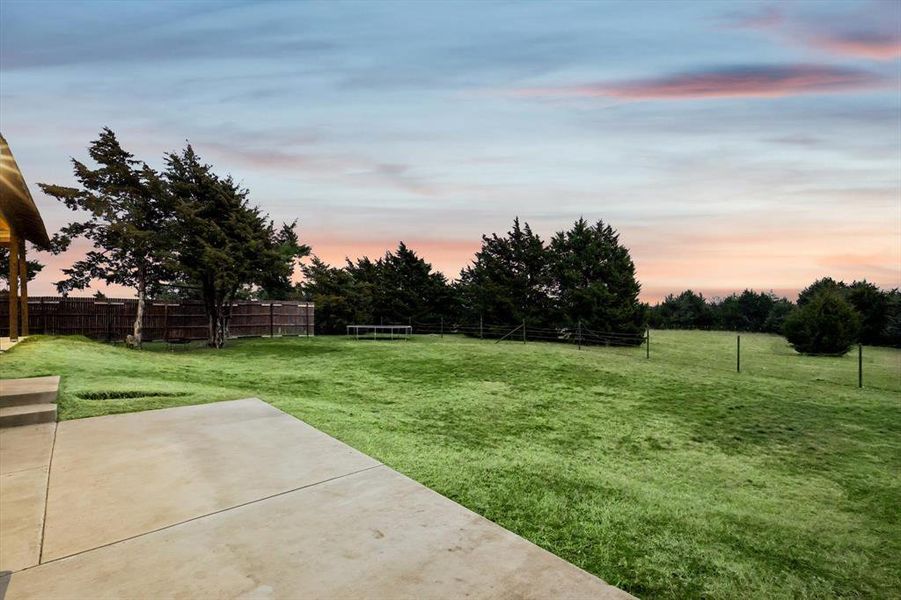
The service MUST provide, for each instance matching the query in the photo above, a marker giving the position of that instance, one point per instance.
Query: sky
(732, 144)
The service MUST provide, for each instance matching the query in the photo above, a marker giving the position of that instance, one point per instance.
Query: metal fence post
(579, 334)
(738, 354)
(860, 365)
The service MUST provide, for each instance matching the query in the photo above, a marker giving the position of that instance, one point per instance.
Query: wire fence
(524, 332)
(766, 355)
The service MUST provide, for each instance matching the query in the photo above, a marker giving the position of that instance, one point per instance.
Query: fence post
(523, 331)
(738, 354)
(860, 365)
(165, 321)
(580, 334)
(442, 326)
(647, 346)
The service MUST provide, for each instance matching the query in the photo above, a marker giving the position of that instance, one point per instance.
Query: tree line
(583, 277)
(188, 232)
(827, 318)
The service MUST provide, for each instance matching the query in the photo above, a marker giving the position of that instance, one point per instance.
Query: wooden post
(860, 365)
(23, 276)
(109, 322)
(13, 286)
(738, 354)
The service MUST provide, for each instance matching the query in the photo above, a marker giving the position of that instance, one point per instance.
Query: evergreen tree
(747, 311)
(33, 266)
(223, 244)
(872, 304)
(277, 285)
(333, 292)
(403, 287)
(775, 320)
(825, 324)
(892, 332)
(688, 310)
(824, 283)
(593, 279)
(128, 220)
(509, 280)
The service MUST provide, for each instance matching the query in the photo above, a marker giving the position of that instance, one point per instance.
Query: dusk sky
(732, 144)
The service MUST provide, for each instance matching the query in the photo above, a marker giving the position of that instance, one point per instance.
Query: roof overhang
(17, 207)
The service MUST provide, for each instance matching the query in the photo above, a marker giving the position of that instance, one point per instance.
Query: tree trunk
(218, 325)
(134, 341)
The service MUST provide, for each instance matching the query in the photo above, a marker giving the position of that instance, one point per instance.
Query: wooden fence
(112, 319)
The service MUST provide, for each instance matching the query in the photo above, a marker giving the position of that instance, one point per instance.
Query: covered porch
(20, 222)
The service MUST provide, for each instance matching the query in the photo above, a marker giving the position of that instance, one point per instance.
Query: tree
(333, 292)
(892, 331)
(824, 283)
(873, 305)
(401, 285)
(593, 279)
(509, 280)
(277, 285)
(775, 320)
(688, 310)
(34, 267)
(129, 220)
(224, 245)
(825, 324)
(747, 311)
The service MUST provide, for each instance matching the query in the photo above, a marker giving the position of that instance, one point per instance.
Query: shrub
(825, 324)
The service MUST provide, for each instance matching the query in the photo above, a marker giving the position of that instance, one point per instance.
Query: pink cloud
(875, 46)
(875, 36)
(730, 82)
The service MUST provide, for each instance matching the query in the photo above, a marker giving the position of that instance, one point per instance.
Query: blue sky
(732, 144)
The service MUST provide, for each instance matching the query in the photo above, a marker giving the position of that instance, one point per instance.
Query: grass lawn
(673, 477)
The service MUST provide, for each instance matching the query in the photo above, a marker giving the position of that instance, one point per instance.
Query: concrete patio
(238, 499)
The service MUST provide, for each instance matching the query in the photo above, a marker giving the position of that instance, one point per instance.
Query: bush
(825, 324)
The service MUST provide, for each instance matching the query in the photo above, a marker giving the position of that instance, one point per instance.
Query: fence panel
(112, 319)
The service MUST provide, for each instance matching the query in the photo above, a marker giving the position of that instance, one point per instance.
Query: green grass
(674, 477)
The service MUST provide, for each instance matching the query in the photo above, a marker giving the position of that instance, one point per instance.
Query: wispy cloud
(875, 33)
(763, 81)
(863, 44)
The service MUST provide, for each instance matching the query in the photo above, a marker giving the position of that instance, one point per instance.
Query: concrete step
(29, 414)
(31, 390)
